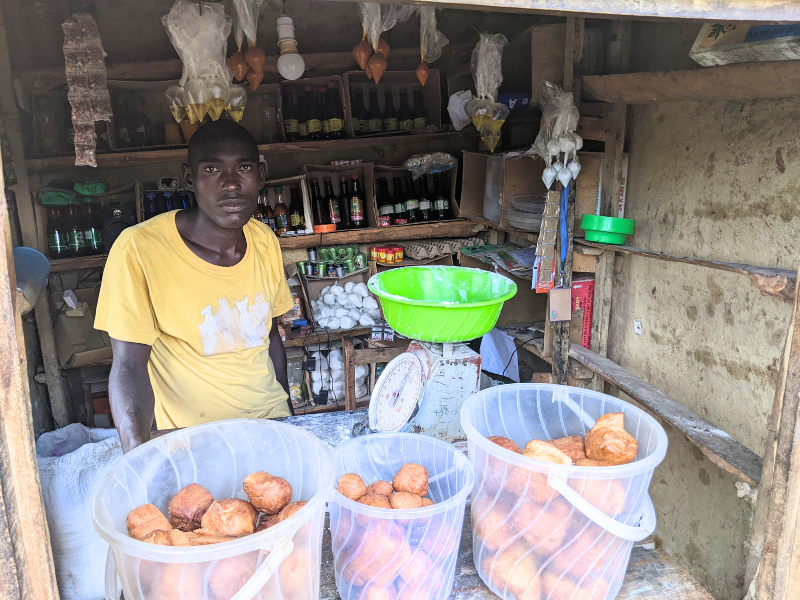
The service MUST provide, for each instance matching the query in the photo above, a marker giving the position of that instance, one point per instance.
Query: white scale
(422, 390)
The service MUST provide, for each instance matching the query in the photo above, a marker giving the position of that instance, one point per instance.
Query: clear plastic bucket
(549, 531)
(399, 554)
(280, 563)
(32, 269)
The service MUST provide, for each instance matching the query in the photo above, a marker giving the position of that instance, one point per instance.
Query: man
(190, 300)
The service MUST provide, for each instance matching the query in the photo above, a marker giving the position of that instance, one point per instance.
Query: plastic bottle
(332, 203)
(269, 121)
(493, 190)
(344, 204)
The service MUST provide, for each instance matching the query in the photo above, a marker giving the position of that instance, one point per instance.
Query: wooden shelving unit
(521, 233)
(73, 264)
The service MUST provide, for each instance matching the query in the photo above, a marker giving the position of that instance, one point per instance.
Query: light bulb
(291, 66)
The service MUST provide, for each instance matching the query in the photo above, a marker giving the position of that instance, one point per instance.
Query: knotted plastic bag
(487, 115)
(431, 41)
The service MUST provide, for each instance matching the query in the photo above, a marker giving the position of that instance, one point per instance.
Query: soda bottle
(442, 202)
(290, 123)
(412, 201)
(93, 227)
(313, 116)
(374, 116)
(335, 111)
(56, 233)
(296, 211)
(357, 215)
(386, 214)
(332, 203)
(424, 200)
(418, 112)
(319, 207)
(344, 204)
(323, 111)
(360, 118)
(389, 113)
(400, 211)
(75, 229)
(405, 121)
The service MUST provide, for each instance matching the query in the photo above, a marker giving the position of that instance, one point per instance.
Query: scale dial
(397, 393)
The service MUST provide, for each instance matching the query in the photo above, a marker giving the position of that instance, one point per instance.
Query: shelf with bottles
(284, 205)
(314, 109)
(164, 199)
(429, 199)
(353, 207)
(411, 106)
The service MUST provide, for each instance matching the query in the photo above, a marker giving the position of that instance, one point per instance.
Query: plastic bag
(375, 20)
(247, 20)
(431, 40)
(487, 115)
(201, 40)
(421, 164)
(559, 115)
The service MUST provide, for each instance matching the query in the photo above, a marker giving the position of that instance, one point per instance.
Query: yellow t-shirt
(208, 326)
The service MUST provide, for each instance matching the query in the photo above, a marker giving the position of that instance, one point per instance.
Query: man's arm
(278, 355)
(131, 393)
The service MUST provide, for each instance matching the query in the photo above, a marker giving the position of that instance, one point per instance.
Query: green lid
(52, 196)
(90, 187)
(278, 189)
(265, 96)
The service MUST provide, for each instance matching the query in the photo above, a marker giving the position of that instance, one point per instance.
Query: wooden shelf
(528, 235)
(743, 81)
(130, 158)
(73, 264)
(322, 338)
(778, 283)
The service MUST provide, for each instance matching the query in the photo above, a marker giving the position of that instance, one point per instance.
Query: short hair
(217, 132)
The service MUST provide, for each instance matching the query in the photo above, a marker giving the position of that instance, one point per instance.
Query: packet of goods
(488, 115)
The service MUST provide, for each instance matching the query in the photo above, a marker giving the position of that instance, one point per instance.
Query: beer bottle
(412, 201)
(75, 229)
(323, 112)
(296, 211)
(281, 211)
(418, 112)
(319, 208)
(357, 215)
(389, 113)
(400, 212)
(385, 204)
(344, 204)
(335, 111)
(290, 124)
(313, 117)
(92, 232)
(424, 200)
(442, 202)
(360, 118)
(56, 234)
(374, 116)
(405, 121)
(302, 118)
(332, 203)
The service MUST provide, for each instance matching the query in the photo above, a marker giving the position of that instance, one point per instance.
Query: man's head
(224, 173)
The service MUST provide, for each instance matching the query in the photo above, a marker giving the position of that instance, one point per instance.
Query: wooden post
(779, 571)
(349, 373)
(572, 82)
(601, 309)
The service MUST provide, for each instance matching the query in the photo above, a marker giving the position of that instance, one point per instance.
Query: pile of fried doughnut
(391, 559)
(196, 519)
(530, 543)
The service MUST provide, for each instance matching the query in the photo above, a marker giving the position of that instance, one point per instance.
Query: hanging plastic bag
(246, 26)
(431, 41)
(557, 134)
(247, 12)
(487, 115)
(434, 162)
(376, 19)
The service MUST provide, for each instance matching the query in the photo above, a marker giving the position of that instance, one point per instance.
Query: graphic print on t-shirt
(232, 329)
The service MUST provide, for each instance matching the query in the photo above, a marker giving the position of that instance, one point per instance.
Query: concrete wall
(716, 180)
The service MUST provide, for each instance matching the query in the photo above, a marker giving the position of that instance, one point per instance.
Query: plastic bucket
(282, 562)
(31, 268)
(550, 531)
(399, 554)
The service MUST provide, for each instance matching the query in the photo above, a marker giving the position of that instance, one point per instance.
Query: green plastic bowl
(441, 304)
(607, 230)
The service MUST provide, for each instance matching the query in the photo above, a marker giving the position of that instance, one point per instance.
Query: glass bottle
(405, 120)
(323, 112)
(344, 204)
(56, 233)
(335, 112)
(374, 116)
(389, 113)
(269, 123)
(425, 204)
(185, 200)
(170, 202)
(281, 211)
(290, 124)
(271, 219)
(360, 113)
(139, 129)
(412, 201)
(442, 202)
(385, 204)
(121, 124)
(319, 208)
(302, 118)
(75, 229)
(332, 203)
(296, 212)
(151, 207)
(93, 228)
(400, 211)
(260, 213)
(419, 113)
(357, 213)
(313, 117)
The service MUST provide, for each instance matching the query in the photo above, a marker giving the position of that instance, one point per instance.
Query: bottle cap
(278, 189)
(308, 88)
(315, 180)
(322, 89)
(331, 85)
(343, 178)
(354, 176)
(265, 96)
(326, 179)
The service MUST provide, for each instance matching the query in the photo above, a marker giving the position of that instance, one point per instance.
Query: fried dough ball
(590, 552)
(144, 519)
(610, 420)
(383, 553)
(505, 442)
(547, 452)
(187, 507)
(230, 574)
(429, 589)
(549, 527)
(380, 487)
(267, 521)
(611, 444)
(558, 587)
(290, 509)
(514, 570)
(403, 500)
(416, 570)
(267, 494)
(293, 576)
(172, 581)
(196, 539)
(374, 592)
(159, 537)
(492, 529)
(590, 462)
(180, 538)
(572, 446)
(412, 478)
(528, 483)
(351, 486)
(229, 517)
(376, 500)
(427, 502)
(606, 494)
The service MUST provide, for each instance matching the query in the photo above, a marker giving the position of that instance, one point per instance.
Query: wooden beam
(719, 447)
(611, 176)
(592, 128)
(743, 81)
(349, 373)
(779, 571)
(601, 310)
(778, 283)
(377, 355)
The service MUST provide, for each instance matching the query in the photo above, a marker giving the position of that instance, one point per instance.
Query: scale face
(397, 393)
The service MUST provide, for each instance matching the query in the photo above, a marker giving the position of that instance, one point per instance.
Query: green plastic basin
(441, 304)
(607, 230)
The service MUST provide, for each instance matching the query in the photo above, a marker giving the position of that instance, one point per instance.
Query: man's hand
(277, 354)
(131, 394)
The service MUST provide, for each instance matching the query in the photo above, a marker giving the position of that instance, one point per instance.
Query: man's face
(226, 181)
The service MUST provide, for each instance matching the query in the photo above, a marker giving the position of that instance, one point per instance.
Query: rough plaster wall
(716, 180)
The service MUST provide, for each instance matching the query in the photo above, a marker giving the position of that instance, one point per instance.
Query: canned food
(381, 254)
(341, 253)
(389, 256)
(331, 269)
(320, 268)
(312, 254)
(339, 270)
(309, 269)
(301, 267)
(373, 253)
(398, 254)
(350, 264)
(360, 260)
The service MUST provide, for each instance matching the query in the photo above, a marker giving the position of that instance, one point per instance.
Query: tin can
(373, 253)
(301, 266)
(339, 270)
(389, 256)
(350, 264)
(320, 268)
(398, 254)
(312, 254)
(309, 269)
(381, 254)
(350, 251)
(331, 269)
(341, 253)
(360, 260)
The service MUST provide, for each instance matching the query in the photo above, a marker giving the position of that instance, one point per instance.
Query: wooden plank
(71, 264)
(719, 447)
(778, 283)
(377, 355)
(583, 263)
(322, 338)
(743, 81)
(779, 570)
(128, 158)
(349, 373)
(527, 235)
(612, 160)
(601, 309)
(592, 128)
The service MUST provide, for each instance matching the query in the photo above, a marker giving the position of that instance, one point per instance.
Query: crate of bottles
(352, 186)
(398, 105)
(402, 201)
(284, 205)
(314, 109)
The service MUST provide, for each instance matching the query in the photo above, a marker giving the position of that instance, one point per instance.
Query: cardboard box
(727, 43)
(525, 308)
(78, 343)
(297, 89)
(313, 286)
(286, 183)
(365, 173)
(395, 81)
(451, 179)
(582, 301)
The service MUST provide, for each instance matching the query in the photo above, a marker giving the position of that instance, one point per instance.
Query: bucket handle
(282, 548)
(646, 526)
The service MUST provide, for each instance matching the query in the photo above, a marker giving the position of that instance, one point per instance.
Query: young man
(190, 300)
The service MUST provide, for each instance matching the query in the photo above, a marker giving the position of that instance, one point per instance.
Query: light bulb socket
(288, 46)
(285, 29)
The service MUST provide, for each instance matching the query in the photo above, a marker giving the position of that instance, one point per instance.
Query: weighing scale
(422, 390)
